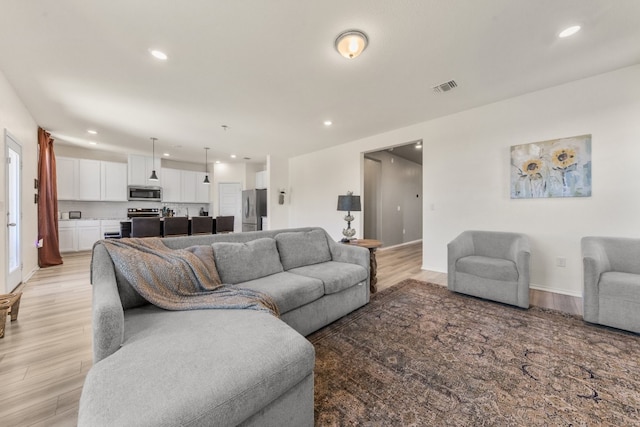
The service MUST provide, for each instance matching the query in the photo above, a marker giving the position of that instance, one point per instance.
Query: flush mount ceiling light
(351, 43)
(92, 132)
(328, 122)
(569, 31)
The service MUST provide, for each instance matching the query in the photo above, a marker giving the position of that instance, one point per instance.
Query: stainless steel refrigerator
(254, 207)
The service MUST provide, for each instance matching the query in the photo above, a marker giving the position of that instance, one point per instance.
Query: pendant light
(153, 176)
(206, 166)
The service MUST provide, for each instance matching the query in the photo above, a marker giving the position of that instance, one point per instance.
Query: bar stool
(176, 226)
(145, 227)
(201, 225)
(224, 224)
(9, 302)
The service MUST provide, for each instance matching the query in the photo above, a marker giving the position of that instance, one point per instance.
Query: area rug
(420, 355)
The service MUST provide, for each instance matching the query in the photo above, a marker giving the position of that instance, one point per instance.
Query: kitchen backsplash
(118, 210)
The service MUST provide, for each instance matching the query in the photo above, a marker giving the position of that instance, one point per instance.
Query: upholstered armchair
(612, 282)
(490, 264)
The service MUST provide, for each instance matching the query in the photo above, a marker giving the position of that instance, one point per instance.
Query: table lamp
(348, 203)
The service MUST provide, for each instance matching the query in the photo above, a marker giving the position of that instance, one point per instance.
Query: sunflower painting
(556, 168)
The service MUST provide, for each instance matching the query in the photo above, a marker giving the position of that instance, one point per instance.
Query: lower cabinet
(80, 235)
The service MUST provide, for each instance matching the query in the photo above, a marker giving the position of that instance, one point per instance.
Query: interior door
(13, 154)
(230, 202)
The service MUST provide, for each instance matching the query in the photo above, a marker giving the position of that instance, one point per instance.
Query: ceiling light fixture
(328, 122)
(206, 166)
(158, 54)
(92, 132)
(166, 154)
(93, 143)
(351, 43)
(569, 31)
(153, 176)
(233, 156)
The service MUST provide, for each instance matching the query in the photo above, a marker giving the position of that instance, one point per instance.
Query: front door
(13, 154)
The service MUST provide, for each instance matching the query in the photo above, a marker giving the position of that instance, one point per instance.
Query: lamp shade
(349, 202)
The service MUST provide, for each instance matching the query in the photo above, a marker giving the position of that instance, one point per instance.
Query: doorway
(13, 154)
(230, 202)
(393, 194)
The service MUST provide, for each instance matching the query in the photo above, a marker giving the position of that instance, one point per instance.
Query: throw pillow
(241, 262)
(301, 248)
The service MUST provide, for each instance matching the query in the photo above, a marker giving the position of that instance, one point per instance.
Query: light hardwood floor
(46, 353)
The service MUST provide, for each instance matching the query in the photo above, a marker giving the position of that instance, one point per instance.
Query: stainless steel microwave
(149, 194)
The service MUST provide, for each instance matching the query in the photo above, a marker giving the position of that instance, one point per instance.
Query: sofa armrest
(459, 247)
(349, 254)
(595, 262)
(107, 312)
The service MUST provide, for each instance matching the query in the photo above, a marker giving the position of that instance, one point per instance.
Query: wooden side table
(372, 245)
(9, 301)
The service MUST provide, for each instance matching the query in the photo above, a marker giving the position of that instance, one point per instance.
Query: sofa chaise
(223, 367)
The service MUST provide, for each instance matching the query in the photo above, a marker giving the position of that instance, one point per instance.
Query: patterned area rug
(421, 355)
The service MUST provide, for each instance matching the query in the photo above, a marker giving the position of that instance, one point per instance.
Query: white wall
(16, 119)
(278, 179)
(467, 168)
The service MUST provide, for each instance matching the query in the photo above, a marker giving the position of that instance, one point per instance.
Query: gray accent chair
(490, 264)
(612, 282)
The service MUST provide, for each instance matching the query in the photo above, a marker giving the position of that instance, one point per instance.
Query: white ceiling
(269, 71)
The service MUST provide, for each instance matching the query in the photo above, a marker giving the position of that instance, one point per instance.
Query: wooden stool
(9, 302)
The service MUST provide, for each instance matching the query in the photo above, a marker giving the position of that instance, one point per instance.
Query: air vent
(445, 87)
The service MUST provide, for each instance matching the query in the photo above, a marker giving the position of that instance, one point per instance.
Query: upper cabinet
(91, 180)
(140, 168)
(67, 174)
(113, 181)
(182, 186)
(261, 180)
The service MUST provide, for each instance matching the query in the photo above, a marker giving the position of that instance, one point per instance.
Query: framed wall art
(555, 168)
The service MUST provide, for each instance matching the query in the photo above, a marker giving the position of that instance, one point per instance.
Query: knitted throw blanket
(180, 279)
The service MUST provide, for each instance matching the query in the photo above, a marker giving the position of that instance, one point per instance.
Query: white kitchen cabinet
(67, 176)
(88, 233)
(261, 180)
(113, 181)
(88, 179)
(67, 237)
(188, 186)
(140, 168)
(78, 235)
(202, 190)
(183, 186)
(172, 185)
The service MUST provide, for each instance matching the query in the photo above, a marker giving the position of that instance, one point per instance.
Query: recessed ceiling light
(93, 143)
(569, 31)
(158, 54)
(92, 132)
(233, 156)
(217, 162)
(166, 154)
(328, 122)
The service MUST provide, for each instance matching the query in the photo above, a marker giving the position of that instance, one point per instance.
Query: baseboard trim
(400, 245)
(555, 291)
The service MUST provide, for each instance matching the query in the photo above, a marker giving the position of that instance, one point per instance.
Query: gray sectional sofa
(154, 367)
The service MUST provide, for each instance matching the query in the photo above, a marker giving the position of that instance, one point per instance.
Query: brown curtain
(49, 253)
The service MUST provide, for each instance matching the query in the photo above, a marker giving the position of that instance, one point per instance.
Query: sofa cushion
(241, 262)
(624, 286)
(488, 268)
(214, 377)
(288, 290)
(336, 276)
(303, 248)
